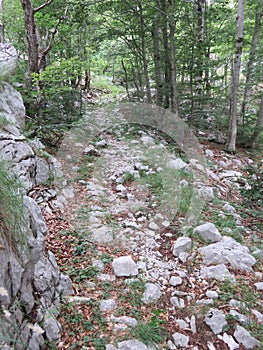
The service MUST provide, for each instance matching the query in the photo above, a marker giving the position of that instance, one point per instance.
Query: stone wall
(31, 284)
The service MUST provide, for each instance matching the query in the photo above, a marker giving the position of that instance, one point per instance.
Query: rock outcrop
(31, 284)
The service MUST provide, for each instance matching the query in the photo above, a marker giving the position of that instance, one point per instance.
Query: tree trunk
(251, 60)
(166, 53)
(157, 60)
(174, 95)
(232, 134)
(200, 45)
(144, 53)
(2, 37)
(33, 39)
(126, 79)
(259, 126)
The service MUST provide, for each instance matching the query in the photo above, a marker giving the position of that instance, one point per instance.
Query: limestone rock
(242, 336)
(182, 245)
(208, 232)
(180, 339)
(107, 305)
(228, 251)
(219, 272)
(152, 293)
(216, 320)
(8, 60)
(229, 340)
(124, 266)
(131, 345)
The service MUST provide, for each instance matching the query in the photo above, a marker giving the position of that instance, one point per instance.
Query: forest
(131, 169)
(202, 59)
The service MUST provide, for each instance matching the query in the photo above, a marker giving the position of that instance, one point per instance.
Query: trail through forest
(154, 240)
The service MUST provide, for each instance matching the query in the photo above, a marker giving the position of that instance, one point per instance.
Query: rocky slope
(31, 284)
(153, 238)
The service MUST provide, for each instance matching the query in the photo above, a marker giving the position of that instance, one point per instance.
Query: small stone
(193, 324)
(175, 281)
(101, 143)
(177, 302)
(110, 347)
(152, 293)
(183, 256)
(98, 264)
(131, 345)
(119, 327)
(171, 345)
(211, 346)
(239, 317)
(211, 294)
(128, 321)
(208, 232)
(153, 226)
(92, 151)
(258, 315)
(259, 285)
(230, 208)
(124, 266)
(242, 336)
(107, 305)
(182, 324)
(182, 244)
(177, 164)
(106, 277)
(180, 339)
(229, 340)
(216, 320)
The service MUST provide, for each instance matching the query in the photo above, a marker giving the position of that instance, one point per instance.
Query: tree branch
(46, 3)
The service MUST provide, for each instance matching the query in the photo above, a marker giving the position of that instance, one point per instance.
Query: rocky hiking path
(144, 277)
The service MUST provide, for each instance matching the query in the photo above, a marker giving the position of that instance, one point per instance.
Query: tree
(259, 126)
(232, 134)
(1, 22)
(37, 53)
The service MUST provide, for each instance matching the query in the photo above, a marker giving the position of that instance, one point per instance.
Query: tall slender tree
(2, 38)
(232, 134)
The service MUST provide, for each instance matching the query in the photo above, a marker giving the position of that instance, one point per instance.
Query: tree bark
(174, 95)
(232, 133)
(2, 37)
(157, 60)
(259, 126)
(251, 60)
(144, 53)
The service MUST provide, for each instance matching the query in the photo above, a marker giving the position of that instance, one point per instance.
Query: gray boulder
(182, 245)
(219, 272)
(228, 251)
(242, 336)
(151, 294)
(216, 320)
(124, 266)
(208, 232)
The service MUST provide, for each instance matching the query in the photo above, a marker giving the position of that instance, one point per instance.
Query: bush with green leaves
(253, 192)
(11, 208)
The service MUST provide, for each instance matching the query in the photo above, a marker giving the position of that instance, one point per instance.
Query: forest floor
(122, 201)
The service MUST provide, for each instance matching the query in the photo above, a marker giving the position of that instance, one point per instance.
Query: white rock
(131, 345)
(119, 327)
(180, 339)
(102, 234)
(230, 208)
(211, 294)
(211, 346)
(152, 293)
(107, 305)
(209, 153)
(239, 317)
(216, 320)
(128, 321)
(228, 251)
(124, 266)
(110, 347)
(242, 336)
(175, 281)
(177, 164)
(208, 232)
(171, 345)
(153, 226)
(193, 324)
(219, 272)
(177, 302)
(229, 340)
(206, 192)
(182, 324)
(258, 315)
(259, 285)
(181, 245)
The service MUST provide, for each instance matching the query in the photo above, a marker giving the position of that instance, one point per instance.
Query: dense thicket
(200, 58)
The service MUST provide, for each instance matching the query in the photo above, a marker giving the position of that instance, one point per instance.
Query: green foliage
(253, 192)
(152, 332)
(12, 222)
